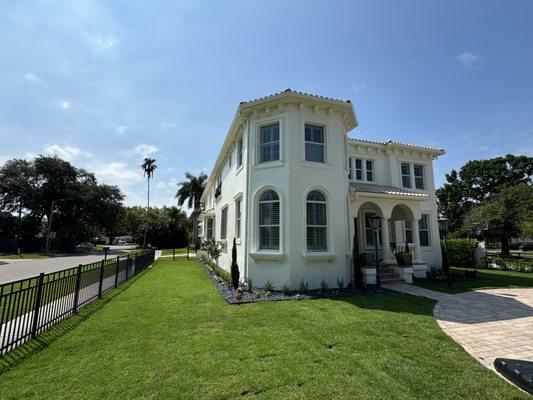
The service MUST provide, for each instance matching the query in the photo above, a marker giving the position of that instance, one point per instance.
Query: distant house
(293, 189)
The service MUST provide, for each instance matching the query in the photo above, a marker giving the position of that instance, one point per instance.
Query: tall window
(269, 143)
(238, 218)
(224, 223)
(269, 221)
(406, 175)
(350, 174)
(209, 228)
(239, 152)
(423, 230)
(369, 170)
(314, 143)
(408, 231)
(369, 234)
(419, 176)
(358, 169)
(316, 221)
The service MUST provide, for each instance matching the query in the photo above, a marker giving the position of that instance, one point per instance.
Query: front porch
(399, 215)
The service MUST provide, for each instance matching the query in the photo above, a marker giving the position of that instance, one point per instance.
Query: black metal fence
(30, 306)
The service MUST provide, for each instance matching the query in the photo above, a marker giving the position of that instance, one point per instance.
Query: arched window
(316, 221)
(269, 221)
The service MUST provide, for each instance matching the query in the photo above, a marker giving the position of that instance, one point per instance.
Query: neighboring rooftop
(360, 187)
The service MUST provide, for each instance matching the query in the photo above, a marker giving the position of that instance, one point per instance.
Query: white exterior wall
(293, 178)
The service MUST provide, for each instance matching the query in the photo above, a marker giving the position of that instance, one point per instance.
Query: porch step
(387, 275)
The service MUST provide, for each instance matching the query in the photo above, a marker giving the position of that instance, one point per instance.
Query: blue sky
(104, 83)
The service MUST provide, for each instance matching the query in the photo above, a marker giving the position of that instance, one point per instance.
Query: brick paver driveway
(488, 323)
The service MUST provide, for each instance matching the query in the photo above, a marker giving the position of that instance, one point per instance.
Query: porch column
(416, 241)
(385, 248)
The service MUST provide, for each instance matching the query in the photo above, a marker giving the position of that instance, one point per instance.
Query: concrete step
(391, 280)
(389, 275)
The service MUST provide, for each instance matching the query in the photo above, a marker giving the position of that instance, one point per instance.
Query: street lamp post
(375, 224)
(443, 227)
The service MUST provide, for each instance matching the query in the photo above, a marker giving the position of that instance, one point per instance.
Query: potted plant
(404, 258)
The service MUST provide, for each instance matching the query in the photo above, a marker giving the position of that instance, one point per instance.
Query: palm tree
(148, 167)
(190, 191)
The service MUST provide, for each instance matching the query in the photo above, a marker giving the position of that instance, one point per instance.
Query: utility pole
(49, 227)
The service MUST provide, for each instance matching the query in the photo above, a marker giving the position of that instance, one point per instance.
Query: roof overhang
(370, 190)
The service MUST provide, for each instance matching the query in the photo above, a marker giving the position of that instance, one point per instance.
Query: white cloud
(467, 59)
(67, 153)
(32, 77)
(64, 104)
(169, 124)
(121, 129)
(166, 185)
(116, 173)
(358, 87)
(483, 148)
(144, 150)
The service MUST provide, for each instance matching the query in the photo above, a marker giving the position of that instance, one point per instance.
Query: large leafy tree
(504, 216)
(477, 182)
(190, 191)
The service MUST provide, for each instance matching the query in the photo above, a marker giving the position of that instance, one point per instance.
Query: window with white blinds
(316, 215)
(269, 143)
(224, 223)
(269, 221)
(238, 218)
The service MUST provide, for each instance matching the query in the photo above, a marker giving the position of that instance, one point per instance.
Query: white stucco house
(292, 187)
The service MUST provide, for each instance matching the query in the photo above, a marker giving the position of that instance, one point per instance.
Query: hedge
(510, 264)
(461, 252)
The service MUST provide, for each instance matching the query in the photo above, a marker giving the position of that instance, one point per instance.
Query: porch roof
(385, 190)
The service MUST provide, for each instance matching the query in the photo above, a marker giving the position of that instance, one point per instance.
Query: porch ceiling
(361, 188)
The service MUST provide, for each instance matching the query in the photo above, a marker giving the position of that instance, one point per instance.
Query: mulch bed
(257, 294)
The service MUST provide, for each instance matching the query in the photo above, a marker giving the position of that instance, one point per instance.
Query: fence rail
(32, 305)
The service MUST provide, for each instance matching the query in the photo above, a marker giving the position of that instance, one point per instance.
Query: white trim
(318, 256)
(267, 255)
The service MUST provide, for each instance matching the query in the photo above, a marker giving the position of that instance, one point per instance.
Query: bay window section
(314, 143)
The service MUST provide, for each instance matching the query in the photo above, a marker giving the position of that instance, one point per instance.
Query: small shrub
(304, 287)
(340, 282)
(286, 288)
(256, 294)
(268, 293)
(435, 273)
(323, 285)
(461, 252)
(269, 285)
(219, 272)
(250, 283)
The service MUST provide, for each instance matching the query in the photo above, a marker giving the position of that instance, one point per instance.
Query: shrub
(286, 288)
(461, 252)
(234, 267)
(212, 248)
(250, 283)
(323, 285)
(221, 273)
(304, 286)
(269, 285)
(510, 264)
(340, 282)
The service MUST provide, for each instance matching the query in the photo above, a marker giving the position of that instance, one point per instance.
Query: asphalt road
(20, 269)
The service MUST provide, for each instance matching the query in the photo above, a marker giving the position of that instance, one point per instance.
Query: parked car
(526, 247)
(84, 246)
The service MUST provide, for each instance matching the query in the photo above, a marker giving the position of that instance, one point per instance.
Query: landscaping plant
(234, 267)
(304, 287)
(286, 288)
(340, 282)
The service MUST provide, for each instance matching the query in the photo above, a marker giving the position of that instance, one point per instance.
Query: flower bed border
(229, 294)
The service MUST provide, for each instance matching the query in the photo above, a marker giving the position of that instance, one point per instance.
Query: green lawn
(486, 278)
(171, 335)
(27, 256)
(168, 252)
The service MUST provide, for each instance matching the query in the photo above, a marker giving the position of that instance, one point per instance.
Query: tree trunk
(505, 246)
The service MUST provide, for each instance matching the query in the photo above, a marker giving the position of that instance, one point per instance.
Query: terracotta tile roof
(361, 187)
(288, 90)
(391, 143)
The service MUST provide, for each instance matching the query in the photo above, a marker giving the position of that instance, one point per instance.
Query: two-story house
(293, 189)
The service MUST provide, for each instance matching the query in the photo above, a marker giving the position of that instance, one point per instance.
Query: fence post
(35, 323)
(77, 292)
(116, 271)
(101, 280)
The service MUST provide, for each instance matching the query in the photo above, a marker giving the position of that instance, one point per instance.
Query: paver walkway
(488, 323)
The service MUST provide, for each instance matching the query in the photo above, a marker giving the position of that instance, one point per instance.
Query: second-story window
(419, 176)
(314, 143)
(239, 152)
(224, 223)
(406, 175)
(358, 169)
(269, 143)
(369, 170)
